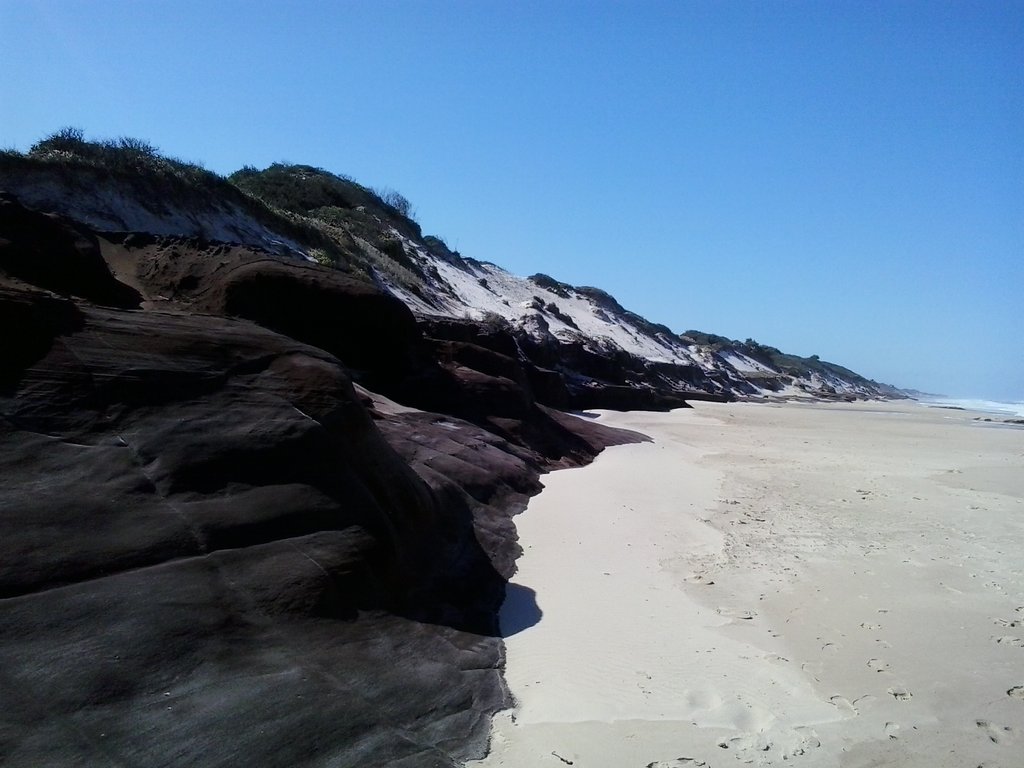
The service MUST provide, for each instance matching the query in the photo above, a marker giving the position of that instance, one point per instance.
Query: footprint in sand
(863, 701)
(878, 665)
(869, 626)
(843, 705)
(892, 730)
(783, 744)
(1009, 623)
(900, 693)
(799, 741)
(679, 762)
(1017, 692)
(700, 579)
(995, 733)
(812, 669)
(1009, 640)
(736, 613)
(643, 683)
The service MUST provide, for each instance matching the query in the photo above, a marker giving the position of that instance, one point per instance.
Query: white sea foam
(999, 407)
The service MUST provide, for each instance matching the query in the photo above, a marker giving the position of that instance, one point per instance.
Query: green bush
(321, 257)
(124, 157)
(549, 283)
(396, 200)
(71, 140)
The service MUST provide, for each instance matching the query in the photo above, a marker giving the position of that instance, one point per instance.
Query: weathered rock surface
(55, 253)
(214, 548)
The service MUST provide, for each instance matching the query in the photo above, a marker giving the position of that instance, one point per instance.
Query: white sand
(774, 585)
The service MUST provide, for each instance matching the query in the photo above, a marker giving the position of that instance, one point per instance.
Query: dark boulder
(209, 552)
(363, 326)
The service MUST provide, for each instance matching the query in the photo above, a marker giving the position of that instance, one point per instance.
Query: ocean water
(1006, 409)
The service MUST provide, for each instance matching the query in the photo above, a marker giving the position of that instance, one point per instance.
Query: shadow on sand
(519, 611)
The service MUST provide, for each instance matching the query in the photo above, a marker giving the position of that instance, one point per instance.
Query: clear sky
(835, 178)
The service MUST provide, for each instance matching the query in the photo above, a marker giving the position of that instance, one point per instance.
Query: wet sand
(819, 585)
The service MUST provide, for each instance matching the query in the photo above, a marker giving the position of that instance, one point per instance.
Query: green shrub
(549, 283)
(494, 323)
(396, 200)
(126, 157)
(321, 257)
(68, 139)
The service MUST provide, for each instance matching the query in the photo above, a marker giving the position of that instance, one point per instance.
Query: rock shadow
(519, 611)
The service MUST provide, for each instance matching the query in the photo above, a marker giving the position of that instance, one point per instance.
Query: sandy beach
(825, 585)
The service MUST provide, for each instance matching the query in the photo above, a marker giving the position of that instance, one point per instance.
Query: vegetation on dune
(139, 167)
(305, 189)
(790, 365)
(546, 281)
(338, 222)
(396, 200)
(124, 157)
(712, 340)
(366, 219)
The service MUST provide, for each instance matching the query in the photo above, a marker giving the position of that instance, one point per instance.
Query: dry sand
(818, 585)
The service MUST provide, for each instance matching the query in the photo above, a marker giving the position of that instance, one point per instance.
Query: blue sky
(842, 179)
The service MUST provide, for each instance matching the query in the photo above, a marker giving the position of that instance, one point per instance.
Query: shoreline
(772, 583)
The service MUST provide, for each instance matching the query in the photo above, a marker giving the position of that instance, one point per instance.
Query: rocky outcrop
(460, 368)
(55, 253)
(557, 374)
(215, 547)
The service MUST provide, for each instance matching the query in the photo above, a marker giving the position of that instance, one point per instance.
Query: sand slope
(769, 585)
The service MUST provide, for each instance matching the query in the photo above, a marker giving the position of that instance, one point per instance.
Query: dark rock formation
(54, 253)
(214, 548)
